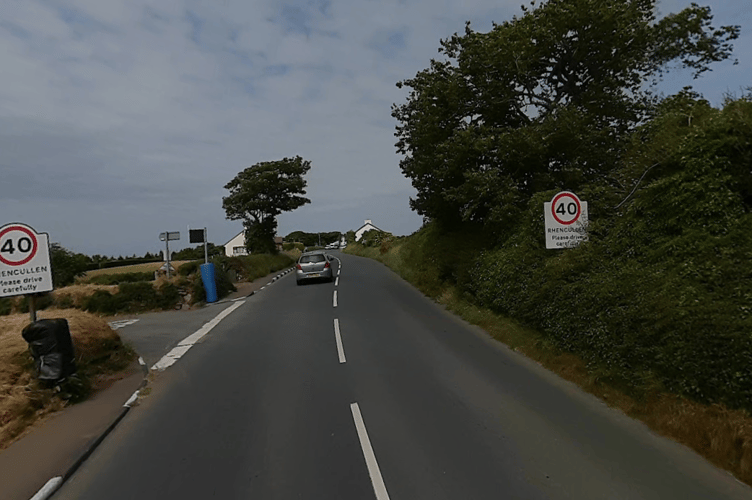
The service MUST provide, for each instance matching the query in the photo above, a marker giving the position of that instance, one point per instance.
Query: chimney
(368, 221)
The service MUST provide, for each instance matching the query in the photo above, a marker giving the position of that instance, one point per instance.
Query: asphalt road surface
(365, 389)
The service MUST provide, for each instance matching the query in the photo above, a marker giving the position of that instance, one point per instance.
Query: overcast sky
(120, 119)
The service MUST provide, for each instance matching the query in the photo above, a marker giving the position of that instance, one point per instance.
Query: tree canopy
(546, 100)
(260, 193)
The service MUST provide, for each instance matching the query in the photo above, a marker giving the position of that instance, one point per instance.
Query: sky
(122, 119)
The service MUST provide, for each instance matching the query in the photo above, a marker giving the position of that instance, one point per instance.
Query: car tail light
(327, 266)
(299, 268)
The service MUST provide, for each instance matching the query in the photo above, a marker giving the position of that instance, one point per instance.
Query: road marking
(48, 489)
(177, 352)
(379, 488)
(122, 323)
(335, 298)
(336, 282)
(340, 347)
(133, 398)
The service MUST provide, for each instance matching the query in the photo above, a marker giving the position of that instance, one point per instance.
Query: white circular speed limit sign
(566, 208)
(18, 245)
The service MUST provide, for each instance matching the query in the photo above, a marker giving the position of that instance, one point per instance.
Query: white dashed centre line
(340, 347)
(335, 298)
(336, 282)
(379, 488)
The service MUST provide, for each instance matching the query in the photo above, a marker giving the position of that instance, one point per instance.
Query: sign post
(24, 263)
(199, 236)
(566, 219)
(166, 237)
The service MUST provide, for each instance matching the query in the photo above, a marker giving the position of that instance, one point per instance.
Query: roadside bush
(133, 297)
(168, 295)
(189, 268)
(138, 296)
(6, 306)
(116, 279)
(42, 302)
(101, 301)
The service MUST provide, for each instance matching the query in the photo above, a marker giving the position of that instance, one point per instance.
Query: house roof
(369, 224)
(228, 241)
(277, 239)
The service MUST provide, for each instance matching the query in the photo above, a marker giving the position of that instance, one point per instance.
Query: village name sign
(566, 219)
(24, 261)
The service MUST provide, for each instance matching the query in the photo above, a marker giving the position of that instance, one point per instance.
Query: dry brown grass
(23, 400)
(147, 267)
(79, 293)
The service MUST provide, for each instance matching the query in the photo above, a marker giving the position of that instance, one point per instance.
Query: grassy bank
(133, 289)
(438, 264)
(24, 401)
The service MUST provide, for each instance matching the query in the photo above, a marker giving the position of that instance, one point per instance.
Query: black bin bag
(51, 347)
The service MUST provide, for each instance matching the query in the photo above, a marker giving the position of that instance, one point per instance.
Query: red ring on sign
(33, 249)
(577, 202)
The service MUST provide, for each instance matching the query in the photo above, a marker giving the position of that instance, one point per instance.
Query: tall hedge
(663, 291)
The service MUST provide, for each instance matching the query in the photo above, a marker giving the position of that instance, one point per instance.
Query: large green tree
(260, 193)
(546, 100)
(67, 265)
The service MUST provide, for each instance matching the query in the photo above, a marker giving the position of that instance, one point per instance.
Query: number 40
(24, 245)
(571, 209)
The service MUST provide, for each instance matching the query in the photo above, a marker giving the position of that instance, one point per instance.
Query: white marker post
(566, 219)
(24, 263)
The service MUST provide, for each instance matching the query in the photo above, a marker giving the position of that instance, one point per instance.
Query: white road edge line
(340, 347)
(334, 301)
(48, 489)
(379, 488)
(177, 352)
(133, 398)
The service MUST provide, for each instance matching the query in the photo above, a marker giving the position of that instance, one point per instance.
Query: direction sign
(566, 219)
(169, 236)
(24, 261)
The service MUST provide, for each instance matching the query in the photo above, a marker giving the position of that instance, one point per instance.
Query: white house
(236, 246)
(364, 229)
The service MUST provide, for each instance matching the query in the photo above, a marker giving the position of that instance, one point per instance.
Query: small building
(368, 226)
(236, 246)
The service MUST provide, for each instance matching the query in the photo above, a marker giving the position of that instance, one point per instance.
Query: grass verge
(147, 267)
(24, 401)
(722, 435)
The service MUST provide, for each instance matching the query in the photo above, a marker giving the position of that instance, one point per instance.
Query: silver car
(314, 265)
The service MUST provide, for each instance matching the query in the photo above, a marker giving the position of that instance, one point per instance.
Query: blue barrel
(207, 276)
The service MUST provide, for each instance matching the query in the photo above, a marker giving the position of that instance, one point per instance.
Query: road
(374, 393)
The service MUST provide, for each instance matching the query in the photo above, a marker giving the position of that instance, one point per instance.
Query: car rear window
(311, 258)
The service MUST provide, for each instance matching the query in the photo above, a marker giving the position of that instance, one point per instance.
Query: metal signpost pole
(206, 250)
(167, 247)
(32, 308)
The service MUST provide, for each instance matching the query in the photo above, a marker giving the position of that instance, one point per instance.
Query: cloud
(123, 119)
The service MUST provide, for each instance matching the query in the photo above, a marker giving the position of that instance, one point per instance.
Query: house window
(239, 251)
